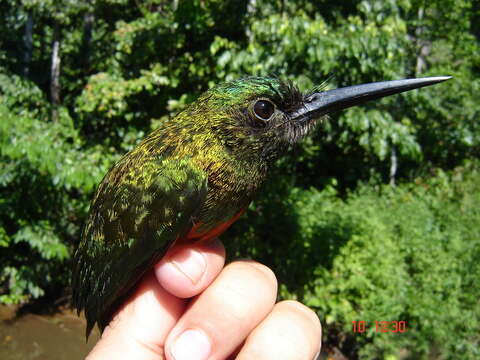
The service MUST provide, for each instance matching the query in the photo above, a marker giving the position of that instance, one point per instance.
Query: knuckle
(245, 288)
(304, 311)
(256, 270)
(234, 303)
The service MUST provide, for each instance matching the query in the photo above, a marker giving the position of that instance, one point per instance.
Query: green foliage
(411, 255)
(367, 252)
(44, 189)
(408, 253)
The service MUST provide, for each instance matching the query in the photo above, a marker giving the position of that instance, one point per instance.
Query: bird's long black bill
(322, 103)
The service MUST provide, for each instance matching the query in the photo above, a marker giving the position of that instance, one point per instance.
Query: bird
(193, 176)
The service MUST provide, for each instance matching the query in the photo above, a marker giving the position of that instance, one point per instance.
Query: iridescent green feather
(132, 222)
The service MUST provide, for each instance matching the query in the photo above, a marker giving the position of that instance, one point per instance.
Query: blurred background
(375, 217)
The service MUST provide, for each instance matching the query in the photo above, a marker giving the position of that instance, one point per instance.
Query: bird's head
(263, 116)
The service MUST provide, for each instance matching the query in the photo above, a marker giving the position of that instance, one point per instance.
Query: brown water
(43, 337)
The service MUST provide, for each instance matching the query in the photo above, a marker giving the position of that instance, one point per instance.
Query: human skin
(191, 306)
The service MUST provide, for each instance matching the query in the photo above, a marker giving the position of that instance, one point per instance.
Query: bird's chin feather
(296, 130)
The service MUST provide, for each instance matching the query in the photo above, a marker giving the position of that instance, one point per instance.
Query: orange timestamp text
(361, 327)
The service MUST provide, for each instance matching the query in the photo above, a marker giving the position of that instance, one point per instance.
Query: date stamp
(361, 327)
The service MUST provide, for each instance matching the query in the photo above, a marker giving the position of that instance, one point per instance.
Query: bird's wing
(138, 212)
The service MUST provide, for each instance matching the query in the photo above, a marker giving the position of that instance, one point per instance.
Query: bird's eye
(263, 109)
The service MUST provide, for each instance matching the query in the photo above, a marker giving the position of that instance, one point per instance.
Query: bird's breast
(196, 234)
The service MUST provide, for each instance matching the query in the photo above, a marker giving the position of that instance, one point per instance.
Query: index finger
(187, 270)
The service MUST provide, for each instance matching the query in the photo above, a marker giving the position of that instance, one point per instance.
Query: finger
(224, 314)
(187, 270)
(290, 332)
(139, 329)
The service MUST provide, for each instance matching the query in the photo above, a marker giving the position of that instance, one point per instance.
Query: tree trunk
(88, 19)
(423, 46)
(393, 165)
(251, 9)
(28, 45)
(55, 73)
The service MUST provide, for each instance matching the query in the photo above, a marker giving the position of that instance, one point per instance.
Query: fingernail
(191, 263)
(191, 345)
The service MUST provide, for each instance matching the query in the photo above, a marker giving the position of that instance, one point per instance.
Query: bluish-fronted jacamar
(191, 178)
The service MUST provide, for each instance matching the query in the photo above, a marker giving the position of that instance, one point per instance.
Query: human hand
(232, 314)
